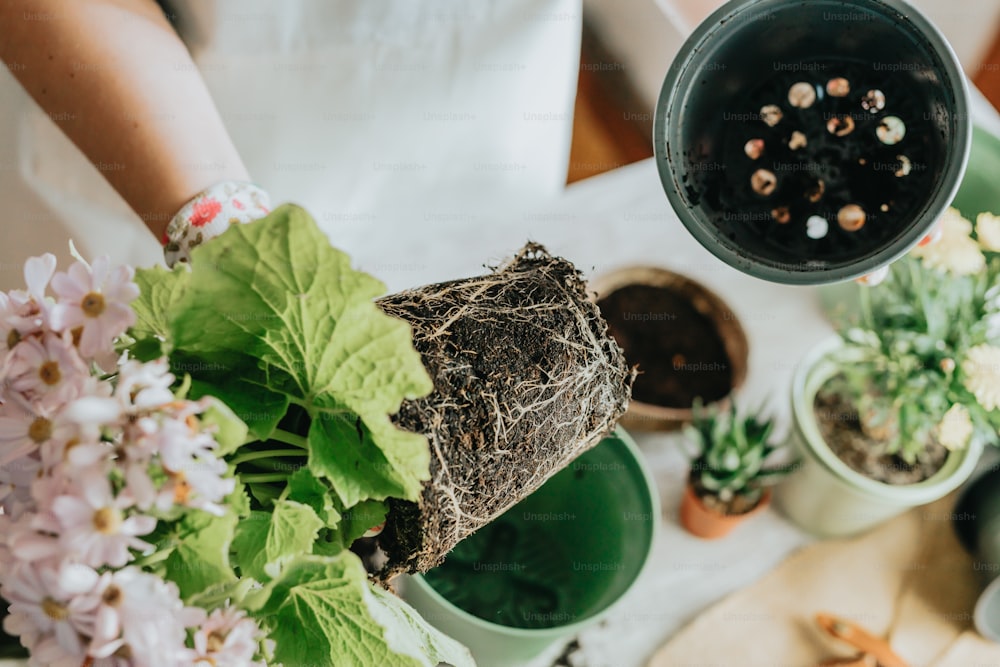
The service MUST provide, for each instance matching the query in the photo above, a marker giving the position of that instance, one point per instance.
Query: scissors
(875, 651)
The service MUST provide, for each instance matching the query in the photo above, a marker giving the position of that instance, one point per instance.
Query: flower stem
(264, 477)
(269, 453)
(865, 298)
(158, 556)
(289, 438)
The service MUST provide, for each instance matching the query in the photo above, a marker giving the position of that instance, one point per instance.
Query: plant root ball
(526, 378)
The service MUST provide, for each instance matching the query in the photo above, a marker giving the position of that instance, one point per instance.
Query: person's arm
(119, 82)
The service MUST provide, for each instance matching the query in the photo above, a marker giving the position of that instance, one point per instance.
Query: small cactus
(730, 455)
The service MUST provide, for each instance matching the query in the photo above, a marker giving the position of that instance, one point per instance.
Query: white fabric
(366, 112)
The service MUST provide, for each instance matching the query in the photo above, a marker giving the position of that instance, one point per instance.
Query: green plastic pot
(828, 498)
(552, 565)
(743, 47)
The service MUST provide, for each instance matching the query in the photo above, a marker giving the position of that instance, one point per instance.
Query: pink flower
(23, 430)
(37, 274)
(227, 639)
(20, 317)
(94, 525)
(51, 610)
(24, 313)
(46, 369)
(94, 300)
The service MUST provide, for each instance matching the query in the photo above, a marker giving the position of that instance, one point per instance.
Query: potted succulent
(729, 481)
(894, 412)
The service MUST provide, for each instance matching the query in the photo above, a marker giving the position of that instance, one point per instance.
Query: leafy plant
(247, 467)
(731, 453)
(921, 362)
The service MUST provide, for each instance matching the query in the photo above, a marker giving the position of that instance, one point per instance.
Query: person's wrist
(210, 213)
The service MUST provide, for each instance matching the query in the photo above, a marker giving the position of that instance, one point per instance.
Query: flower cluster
(96, 453)
(923, 362)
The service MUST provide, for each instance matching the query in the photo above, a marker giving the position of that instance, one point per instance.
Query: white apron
(391, 121)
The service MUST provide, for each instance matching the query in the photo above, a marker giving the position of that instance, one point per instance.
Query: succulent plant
(730, 456)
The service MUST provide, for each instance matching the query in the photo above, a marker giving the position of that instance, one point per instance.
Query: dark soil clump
(526, 378)
(840, 426)
(678, 350)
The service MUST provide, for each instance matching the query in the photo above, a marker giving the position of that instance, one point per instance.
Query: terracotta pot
(651, 417)
(708, 524)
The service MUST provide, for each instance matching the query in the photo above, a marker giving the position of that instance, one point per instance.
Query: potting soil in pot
(840, 426)
(677, 349)
(825, 161)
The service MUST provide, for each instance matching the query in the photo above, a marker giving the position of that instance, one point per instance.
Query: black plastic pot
(750, 52)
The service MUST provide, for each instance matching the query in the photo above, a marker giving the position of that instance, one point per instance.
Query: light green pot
(561, 558)
(825, 496)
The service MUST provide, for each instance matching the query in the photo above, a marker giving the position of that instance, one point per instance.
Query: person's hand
(880, 274)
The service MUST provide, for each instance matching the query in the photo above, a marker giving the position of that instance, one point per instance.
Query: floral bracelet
(210, 213)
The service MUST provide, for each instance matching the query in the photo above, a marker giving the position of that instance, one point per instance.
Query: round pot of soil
(685, 340)
(707, 519)
(827, 496)
(550, 566)
(812, 142)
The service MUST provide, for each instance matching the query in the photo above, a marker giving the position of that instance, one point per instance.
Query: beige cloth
(909, 580)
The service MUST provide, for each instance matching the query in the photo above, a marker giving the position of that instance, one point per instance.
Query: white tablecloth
(605, 222)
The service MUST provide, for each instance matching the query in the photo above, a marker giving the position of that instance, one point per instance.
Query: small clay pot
(708, 524)
(646, 416)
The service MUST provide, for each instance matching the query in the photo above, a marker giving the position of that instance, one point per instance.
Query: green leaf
(275, 291)
(200, 559)
(235, 380)
(266, 540)
(159, 292)
(305, 488)
(324, 611)
(408, 633)
(347, 451)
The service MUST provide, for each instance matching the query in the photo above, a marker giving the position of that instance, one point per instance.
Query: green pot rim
(811, 373)
(636, 456)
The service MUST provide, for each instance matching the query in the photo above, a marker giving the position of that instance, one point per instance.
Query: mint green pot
(825, 496)
(552, 565)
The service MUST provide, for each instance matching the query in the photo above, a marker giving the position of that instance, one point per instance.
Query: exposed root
(526, 378)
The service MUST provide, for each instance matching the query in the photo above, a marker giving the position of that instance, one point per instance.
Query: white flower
(94, 299)
(988, 231)
(227, 639)
(143, 386)
(981, 370)
(94, 526)
(955, 428)
(955, 252)
(144, 613)
(46, 369)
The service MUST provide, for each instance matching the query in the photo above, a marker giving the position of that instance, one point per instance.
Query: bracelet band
(210, 213)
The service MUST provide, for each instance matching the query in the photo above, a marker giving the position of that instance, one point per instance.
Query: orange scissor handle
(861, 639)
